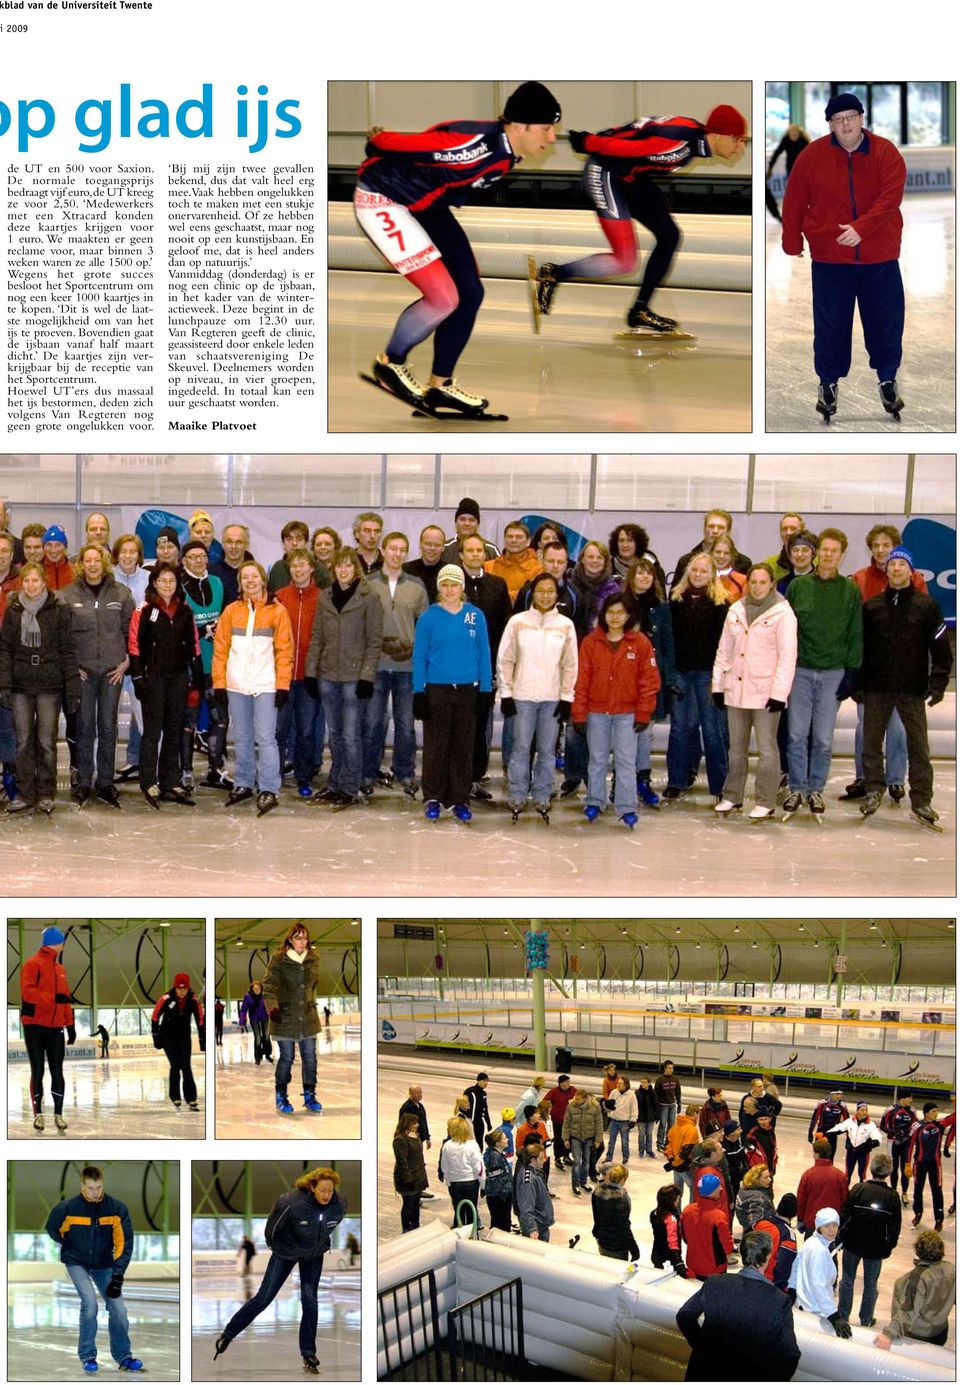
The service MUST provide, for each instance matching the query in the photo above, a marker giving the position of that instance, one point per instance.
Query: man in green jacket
(829, 649)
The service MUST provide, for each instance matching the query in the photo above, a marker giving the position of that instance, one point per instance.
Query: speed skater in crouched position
(170, 1024)
(95, 1236)
(619, 181)
(405, 191)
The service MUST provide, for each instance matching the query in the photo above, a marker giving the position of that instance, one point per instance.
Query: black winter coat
(291, 988)
(298, 1228)
(905, 644)
(611, 1220)
(648, 1107)
(697, 627)
(409, 1169)
(746, 1332)
(160, 643)
(50, 667)
(870, 1220)
(170, 1022)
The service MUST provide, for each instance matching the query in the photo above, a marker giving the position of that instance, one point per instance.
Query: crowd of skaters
(726, 1165)
(586, 652)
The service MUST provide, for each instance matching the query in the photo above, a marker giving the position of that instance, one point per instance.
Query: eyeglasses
(846, 119)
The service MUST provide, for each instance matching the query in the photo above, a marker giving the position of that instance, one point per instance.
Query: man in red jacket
(844, 197)
(45, 1011)
(820, 1186)
(706, 1230)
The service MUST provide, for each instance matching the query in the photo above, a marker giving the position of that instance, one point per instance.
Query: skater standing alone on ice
(290, 995)
(254, 1011)
(171, 1032)
(45, 1011)
(406, 189)
(844, 197)
(618, 180)
(298, 1231)
(95, 1236)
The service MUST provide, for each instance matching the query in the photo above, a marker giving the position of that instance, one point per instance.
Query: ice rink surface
(268, 1350)
(107, 1100)
(927, 378)
(387, 848)
(574, 377)
(245, 1103)
(443, 1080)
(42, 1327)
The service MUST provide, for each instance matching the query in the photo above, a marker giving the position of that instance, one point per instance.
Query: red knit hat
(181, 979)
(727, 120)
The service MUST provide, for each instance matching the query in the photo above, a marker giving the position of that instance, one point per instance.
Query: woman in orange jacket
(45, 1011)
(251, 679)
(617, 686)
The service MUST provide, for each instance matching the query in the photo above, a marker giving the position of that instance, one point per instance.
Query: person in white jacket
(536, 674)
(813, 1276)
(862, 1136)
(752, 676)
(623, 1114)
(461, 1166)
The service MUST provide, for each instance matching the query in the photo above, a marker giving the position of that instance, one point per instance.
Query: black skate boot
(640, 318)
(449, 395)
(871, 803)
(856, 789)
(547, 285)
(399, 380)
(827, 399)
(890, 398)
(311, 1364)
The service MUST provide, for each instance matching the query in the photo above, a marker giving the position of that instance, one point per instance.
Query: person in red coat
(820, 1186)
(616, 693)
(761, 1144)
(46, 1010)
(844, 198)
(706, 1230)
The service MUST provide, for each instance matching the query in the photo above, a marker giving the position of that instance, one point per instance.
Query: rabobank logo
(933, 545)
(387, 1030)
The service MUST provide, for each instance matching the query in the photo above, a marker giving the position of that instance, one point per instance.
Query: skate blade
(456, 416)
(642, 334)
(382, 388)
(532, 286)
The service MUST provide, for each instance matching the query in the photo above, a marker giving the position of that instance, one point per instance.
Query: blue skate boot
(310, 1101)
(283, 1105)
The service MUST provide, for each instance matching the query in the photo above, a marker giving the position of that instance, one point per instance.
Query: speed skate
(646, 334)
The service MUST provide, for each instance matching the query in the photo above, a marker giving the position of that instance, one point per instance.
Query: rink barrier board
(51, 1271)
(225, 1261)
(119, 1048)
(858, 1066)
(629, 1312)
(716, 251)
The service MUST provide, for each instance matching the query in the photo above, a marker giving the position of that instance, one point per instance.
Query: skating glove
(420, 709)
(508, 707)
(562, 711)
(62, 998)
(73, 706)
(71, 1034)
(580, 727)
(157, 1041)
(841, 1325)
(364, 690)
(115, 1287)
(848, 684)
(676, 693)
(222, 700)
(312, 687)
(936, 695)
(6, 701)
(274, 1014)
(717, 699)
(578, 140)
(138, 688)
(639, 726)
(281, 697)
(775, 705)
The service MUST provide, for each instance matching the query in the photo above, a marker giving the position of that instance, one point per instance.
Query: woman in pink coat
(752, 676)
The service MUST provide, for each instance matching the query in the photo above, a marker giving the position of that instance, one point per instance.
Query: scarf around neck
(756, 608)
(29, 625)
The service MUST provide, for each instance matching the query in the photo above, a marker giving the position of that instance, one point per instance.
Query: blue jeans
(580, 1151)
(668, 1119)
(533, 720)
(606, 730)
(99, 702)
(308, 1061)
(275, 1276)
(298, 715)
(681, 1181)
(645, 1138)
(343, 713)
(644, 750)
(811, 717)
(255, 752)
(86, 1282)
(8, 739)
(136, 717)
(507, 732)
(871, 1279)
(621, 1129)
(319, 735)
(396, 688)
(690, 717)
(895, 748)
